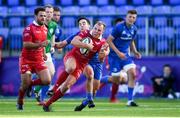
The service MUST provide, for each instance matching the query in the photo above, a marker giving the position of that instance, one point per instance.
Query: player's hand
(45, 57)
(52, 50)
(44, 43)
(105, 46)
(137, 55)
(90, 46)
(122, 55)
(60, 45)
(107, 66)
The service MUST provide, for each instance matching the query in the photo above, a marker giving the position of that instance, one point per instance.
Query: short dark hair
(167, 65)
(38, 9)
(48, 6)
(84, 18)
(56, 9)
(132, 11)
(118, 20)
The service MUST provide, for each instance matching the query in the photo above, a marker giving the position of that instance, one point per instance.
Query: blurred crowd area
(158, 21)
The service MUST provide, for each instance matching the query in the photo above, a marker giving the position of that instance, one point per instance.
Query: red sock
(115, 88)
(62, 77)
(36, 82)
(54, 98)
(101, 85)
(21, 96)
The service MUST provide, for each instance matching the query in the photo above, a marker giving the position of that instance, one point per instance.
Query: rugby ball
(86, 40)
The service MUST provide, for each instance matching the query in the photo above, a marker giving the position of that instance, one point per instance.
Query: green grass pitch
(65, 109)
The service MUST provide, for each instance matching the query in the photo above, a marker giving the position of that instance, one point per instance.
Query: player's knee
(70, 69)
(133, 75)
(52, 72)
(46, 82)
(95, 88)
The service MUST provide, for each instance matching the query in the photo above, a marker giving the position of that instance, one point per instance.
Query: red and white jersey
(34, 33)
(97, 43)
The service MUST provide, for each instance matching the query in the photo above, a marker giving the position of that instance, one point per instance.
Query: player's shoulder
(28, 28)
(121, 24)
(84, 33)
(52, 23)
(134, 27)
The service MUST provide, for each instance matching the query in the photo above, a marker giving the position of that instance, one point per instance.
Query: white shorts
(49, 58)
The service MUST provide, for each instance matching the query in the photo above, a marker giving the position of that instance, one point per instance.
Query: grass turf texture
(65, 109)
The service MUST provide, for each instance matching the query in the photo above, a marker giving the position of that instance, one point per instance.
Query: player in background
(115, 86)
(32, 55)
(75, 61)
(54, 32)
(121, 41)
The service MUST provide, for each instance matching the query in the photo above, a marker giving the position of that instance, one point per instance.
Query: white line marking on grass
(18, 116)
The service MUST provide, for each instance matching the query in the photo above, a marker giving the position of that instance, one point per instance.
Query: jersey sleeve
(116, 31)
(70, 38)
(27, 34)
(101, 44)
(135, 34)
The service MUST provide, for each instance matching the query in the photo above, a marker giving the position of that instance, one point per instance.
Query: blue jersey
(123, 36)
(70, 38)
(58, 33)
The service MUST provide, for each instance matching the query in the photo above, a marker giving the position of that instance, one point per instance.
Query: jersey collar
(35, 23)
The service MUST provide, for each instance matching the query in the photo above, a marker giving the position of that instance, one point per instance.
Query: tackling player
(75, 61)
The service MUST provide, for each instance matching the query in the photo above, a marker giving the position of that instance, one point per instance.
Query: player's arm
(77, 43)
(111, 44)
(104, 51)
(65, 42)
(31, 45)
(134, 50)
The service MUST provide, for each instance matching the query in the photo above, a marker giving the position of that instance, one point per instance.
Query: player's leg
(97, 77)
(49, 63)
(70, 65)
(115, 86)
(89, 73)
(131, 72)
(25, 84)
(115, 78)
(71, 79)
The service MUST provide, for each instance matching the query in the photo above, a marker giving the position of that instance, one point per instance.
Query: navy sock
(85, 102)
(89, 96)
(130, 93)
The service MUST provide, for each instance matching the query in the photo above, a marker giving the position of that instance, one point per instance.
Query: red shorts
(31, 67)
(79, 65)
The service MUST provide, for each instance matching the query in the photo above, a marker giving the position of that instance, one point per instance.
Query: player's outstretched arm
(60, 44)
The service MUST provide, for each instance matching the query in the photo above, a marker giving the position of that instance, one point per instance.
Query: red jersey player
(75, 61)
(32, 56)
